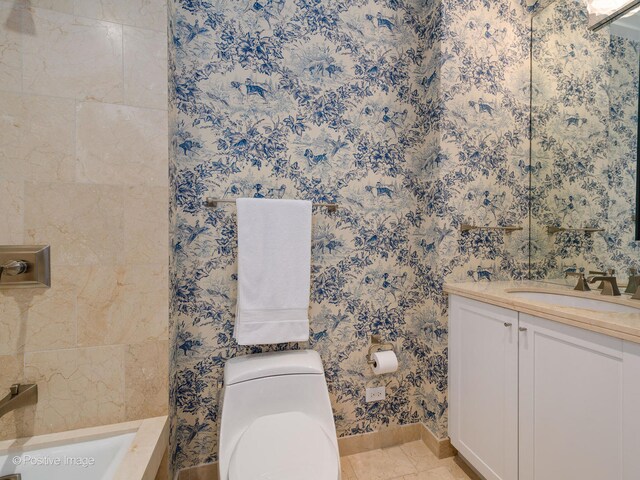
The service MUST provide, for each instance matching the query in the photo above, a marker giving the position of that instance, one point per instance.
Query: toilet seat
(285, 446)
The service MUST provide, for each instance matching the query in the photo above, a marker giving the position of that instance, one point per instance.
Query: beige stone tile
(64, 6)
(82, 223)
(184, 474)
(390, 437)
(440, 473)
(13, 335)
(201, 472)
(146, 380)
(359, 443)
(37, 135)
(11, 212)
(146, 225)
(10, 47)
(12, 125)
(147, 301)
(12, 369)
(11, 372)
(347, 469)
(459, 469)
(140, 13)
(411, 433)
(38, 319)
(121, 145)
(381, 464)
(445, 449)
(73, 57)
(48, 140)
(77, 388)
(163, 469)
(441, 448)
(420, 455)
(122, 305)
(430, 440)
(145, 68)
(100, 294)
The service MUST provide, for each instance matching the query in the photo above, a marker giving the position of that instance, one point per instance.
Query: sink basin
(562, 300)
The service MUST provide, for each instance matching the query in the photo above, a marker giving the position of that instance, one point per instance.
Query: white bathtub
(124, 451)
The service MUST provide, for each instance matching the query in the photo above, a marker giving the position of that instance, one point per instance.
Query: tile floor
(410, 461)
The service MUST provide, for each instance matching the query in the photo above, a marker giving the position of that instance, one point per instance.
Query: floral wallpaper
(584, 149)
(412, 116)
(481, 170)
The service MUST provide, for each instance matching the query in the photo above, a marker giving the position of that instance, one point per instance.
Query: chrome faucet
(609, 285)
(632, 284)
(582, 285)
(19, 396)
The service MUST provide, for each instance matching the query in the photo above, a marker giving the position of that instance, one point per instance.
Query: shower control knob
(14, 267)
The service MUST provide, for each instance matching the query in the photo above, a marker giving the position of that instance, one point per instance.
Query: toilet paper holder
(377, 345)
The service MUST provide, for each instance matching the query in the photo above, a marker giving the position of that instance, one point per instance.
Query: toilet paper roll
(384, 362)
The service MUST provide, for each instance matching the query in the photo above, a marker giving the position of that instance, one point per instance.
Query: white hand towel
(274, 270)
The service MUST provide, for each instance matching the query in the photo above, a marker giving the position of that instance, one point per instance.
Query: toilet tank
(262, 365)
(268, 384)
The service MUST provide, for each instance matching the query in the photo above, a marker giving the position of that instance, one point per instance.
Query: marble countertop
(625, 326)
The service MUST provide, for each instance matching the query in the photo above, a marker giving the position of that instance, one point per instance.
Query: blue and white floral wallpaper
(412, 115)
(584, 148)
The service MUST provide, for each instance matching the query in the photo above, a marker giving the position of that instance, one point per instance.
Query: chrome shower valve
(14, 267)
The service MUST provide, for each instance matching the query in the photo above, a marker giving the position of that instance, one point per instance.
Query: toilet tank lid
(261, 365)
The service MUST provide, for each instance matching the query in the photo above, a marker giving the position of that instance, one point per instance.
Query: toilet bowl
(277, 422)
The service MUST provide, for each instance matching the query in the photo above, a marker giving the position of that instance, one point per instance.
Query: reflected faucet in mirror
(582, 285)
(20, 395)
(609, 273)
(609, 285)
(632, 284)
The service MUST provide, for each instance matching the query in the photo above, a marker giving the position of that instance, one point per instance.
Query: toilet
(277, 422)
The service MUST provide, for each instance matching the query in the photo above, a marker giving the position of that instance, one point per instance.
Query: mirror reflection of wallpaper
(585, 114)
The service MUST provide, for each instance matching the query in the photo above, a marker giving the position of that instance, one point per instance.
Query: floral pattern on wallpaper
(482, 168)
(412, 116)
(584, 149)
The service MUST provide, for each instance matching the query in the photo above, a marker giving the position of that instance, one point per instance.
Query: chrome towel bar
(551, 230)
(465, 227)
(213, 203)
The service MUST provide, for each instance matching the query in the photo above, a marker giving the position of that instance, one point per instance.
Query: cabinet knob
(506, 324)
(522, 329)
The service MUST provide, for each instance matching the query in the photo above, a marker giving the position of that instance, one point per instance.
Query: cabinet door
(483, 386)
(571, 403)
(631, 411)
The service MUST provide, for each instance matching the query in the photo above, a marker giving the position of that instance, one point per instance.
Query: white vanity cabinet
(563, 405)
(483, 386)
(572, 408)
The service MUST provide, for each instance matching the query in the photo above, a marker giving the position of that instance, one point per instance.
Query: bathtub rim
(143, 456)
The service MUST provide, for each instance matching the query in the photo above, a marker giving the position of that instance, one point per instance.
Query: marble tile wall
(83, 167)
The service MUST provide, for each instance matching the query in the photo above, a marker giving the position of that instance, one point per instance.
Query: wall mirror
(604, 12)
(584, 147)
